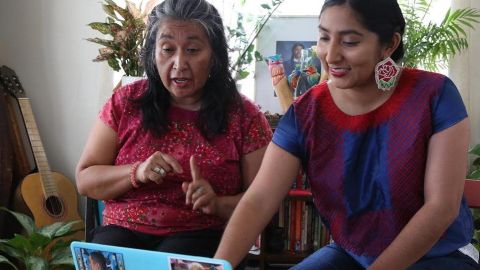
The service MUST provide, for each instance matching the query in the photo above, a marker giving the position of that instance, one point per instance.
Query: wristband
(133, 171)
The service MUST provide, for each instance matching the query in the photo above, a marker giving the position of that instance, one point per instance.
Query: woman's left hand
(199, 192)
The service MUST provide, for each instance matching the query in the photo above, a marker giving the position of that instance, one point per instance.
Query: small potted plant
(40, 248)
(125, 31)
(241, 41)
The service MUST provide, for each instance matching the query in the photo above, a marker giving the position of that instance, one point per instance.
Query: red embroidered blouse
(160, 209)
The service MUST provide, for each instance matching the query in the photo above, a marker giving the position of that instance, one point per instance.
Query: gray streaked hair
(220, 93)
(199, 11)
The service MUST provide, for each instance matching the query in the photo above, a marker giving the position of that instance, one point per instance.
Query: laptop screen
(90, 256)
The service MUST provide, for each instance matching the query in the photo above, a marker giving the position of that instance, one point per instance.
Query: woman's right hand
(156, 167)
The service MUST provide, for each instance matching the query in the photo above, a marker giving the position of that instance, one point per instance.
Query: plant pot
(131, 79)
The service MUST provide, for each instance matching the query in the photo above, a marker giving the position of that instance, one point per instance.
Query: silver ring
(199, 191)
(160, 171)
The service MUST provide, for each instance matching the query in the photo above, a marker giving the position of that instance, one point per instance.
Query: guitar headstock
(11, 83)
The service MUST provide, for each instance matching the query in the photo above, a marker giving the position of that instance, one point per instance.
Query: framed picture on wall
(291, 53)
(279, 36)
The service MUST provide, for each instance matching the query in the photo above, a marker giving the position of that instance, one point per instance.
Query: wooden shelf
(299, 194)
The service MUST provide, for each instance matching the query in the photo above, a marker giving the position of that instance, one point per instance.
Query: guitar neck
(49, 187)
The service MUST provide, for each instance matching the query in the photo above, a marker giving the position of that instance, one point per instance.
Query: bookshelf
(293, 233)
(286, 241)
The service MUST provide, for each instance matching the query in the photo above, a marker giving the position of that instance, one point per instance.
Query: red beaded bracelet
(133, 171)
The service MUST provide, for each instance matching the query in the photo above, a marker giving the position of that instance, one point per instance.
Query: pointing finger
(194, 169)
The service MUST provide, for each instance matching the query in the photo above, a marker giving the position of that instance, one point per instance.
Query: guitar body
(54, 209)
(49, 196)
(61, 207)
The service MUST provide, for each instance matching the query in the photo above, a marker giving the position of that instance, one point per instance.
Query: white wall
(465, 72)
(44, 42)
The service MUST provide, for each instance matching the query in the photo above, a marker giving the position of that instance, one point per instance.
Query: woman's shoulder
(132, 90)
(423, 75)
(248, 105)
(427, 80)
(421, 72)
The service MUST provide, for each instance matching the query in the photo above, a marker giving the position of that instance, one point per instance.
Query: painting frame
(284, 31)
(288, 48)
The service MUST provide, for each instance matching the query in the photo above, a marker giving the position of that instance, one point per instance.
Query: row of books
(302, 227)
(301, 182)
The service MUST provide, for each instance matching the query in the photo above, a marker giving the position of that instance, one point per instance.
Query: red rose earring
(387, 73)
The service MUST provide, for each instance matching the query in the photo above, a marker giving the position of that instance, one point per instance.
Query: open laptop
(90, 256)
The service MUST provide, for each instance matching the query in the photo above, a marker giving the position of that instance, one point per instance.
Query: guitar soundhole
(54, 206)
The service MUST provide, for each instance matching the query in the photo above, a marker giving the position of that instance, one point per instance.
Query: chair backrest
(93, 216)
(472, 193)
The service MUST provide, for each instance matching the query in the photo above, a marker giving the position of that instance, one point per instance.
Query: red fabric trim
(358, 123)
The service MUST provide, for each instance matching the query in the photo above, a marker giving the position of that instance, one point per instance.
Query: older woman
(384, 149)
(172, 155)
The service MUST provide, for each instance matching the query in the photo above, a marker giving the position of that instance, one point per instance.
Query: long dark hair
(383, 17)
(220, 93)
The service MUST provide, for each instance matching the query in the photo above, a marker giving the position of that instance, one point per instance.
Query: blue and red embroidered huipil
(367, 171)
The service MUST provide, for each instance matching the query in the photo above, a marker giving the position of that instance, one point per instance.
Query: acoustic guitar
(50, 196)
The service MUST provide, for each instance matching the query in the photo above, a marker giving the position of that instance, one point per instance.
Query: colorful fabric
(160, 209)
(367, 171)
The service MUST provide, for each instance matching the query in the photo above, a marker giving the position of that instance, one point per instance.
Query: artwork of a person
(294, 61)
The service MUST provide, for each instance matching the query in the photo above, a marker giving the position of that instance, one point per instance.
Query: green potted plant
(241, 41)
(40, 248)
(125, 31)
(431, 45)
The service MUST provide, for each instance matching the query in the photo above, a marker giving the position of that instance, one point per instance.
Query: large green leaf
(21, 243)
(113, 63)
(59, 229)
(51, 229)
(123, 12)
(60, 245)
(103, 28)
(243, 74)
(104, 42)
(265, 6)
(474, 175)
(62, 257)
(4, 260)
(475, 150)
(39, 241)
(109, 11)
(24, 220)
(36, 263)
(10, 251)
